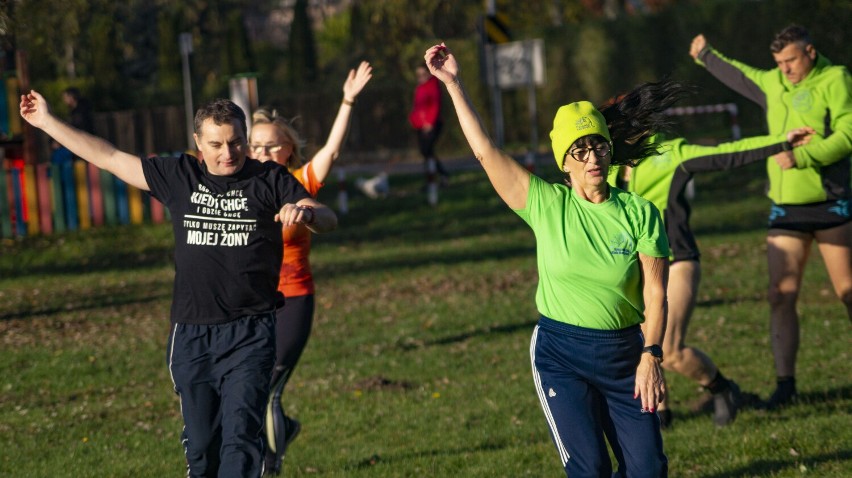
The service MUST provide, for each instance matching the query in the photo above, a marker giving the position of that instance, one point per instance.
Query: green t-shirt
(588, 262)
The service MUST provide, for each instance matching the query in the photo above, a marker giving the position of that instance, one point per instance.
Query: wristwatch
(654, 350)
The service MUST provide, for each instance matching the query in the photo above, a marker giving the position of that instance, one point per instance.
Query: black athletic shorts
(809, 217)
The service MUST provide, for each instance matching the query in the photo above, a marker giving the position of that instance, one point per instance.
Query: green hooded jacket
(822, 101)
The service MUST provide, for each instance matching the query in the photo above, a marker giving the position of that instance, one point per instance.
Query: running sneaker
(726, 403)
(292, 427)
(272, 460)
(784, 395)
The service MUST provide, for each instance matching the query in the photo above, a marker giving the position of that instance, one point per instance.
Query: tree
(302, 53)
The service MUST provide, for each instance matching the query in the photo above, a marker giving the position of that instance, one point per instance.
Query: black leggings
(292, 329)
(426, 143)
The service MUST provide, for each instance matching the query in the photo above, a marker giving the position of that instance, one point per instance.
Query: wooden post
(17, 198)
(58, 197)
(121, 201)
(42, 182)
(96, 198)
(5, 212)
(82, 195)
(134, 200)
(108, 191)
(69, 194)
(28, 182)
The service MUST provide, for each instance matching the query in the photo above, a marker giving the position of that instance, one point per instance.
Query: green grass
(418, 364)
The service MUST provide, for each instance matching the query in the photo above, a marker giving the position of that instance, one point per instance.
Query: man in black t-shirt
(227, 211)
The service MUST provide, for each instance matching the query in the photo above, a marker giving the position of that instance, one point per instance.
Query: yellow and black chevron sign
(496, 28)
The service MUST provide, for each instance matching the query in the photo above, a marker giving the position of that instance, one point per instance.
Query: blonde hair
(285, 127)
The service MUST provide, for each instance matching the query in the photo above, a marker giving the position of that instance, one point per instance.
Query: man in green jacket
(809, 187)
(663, 180)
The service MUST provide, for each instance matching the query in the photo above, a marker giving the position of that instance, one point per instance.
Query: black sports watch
(654, 350)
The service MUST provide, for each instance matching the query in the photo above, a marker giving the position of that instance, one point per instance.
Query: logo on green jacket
(662, 160)
(802, 100)
(621, 244)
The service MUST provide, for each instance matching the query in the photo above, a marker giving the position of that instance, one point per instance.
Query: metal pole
(496, 94)
(532, 103)
(185, 50)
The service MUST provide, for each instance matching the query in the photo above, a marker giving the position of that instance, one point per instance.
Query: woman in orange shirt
(273, 138)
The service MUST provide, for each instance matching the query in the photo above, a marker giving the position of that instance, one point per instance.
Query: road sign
(518, 63)
(496, 28)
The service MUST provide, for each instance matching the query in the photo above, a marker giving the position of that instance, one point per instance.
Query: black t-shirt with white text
(228, 247)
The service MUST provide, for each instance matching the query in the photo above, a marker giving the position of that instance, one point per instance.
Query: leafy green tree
(105, 63)
(302, 53)
(168, 81)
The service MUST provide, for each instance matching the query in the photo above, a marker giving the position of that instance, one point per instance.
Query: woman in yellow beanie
(603, 265)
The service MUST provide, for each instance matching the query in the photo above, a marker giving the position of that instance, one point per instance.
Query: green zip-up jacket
(662, 179)
(822, 100)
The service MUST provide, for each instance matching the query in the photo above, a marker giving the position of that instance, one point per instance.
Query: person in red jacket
(425, 118)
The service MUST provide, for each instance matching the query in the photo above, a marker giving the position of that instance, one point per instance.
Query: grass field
(419, 362)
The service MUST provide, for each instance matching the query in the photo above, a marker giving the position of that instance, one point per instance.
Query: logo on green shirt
(621, 244)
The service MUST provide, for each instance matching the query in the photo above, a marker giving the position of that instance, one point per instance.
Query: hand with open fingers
(785, 159)
(800, 136)
(442, 63)
(34, 109)
(698, 44)
(357, 79)
(650, 383)
(295, 214)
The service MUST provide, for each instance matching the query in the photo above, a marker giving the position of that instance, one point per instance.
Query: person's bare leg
(684, 277)
(787, 253)
(692, 363)
(835, 246)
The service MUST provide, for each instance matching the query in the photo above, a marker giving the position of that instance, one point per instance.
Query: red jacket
(427, 104)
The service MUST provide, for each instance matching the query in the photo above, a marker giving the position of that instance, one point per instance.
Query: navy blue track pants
(585, 380)
(221, 374)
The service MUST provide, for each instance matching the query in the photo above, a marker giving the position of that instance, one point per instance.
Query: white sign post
(520, 64)
(243, 90)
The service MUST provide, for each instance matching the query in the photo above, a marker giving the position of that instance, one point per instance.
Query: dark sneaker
(292, 427)
(271, 464)
(725, 404)
(272, 460)
(783, 396)
(666, 418)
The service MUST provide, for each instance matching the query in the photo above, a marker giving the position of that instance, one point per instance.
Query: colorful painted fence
(68, 194)
(54, 192)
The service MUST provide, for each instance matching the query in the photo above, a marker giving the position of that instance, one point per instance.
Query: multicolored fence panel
(68, 195)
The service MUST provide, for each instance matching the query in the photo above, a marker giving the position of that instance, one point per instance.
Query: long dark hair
(637, 115)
